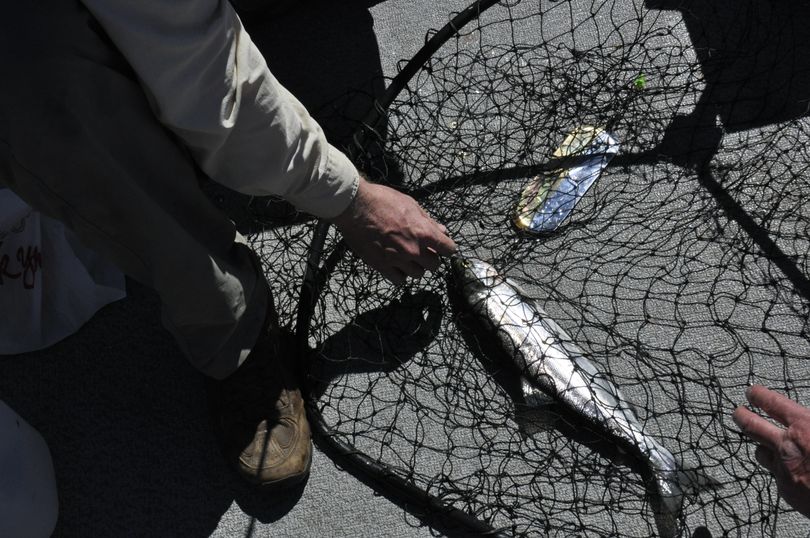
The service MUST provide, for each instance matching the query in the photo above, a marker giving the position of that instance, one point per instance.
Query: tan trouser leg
(79, 142)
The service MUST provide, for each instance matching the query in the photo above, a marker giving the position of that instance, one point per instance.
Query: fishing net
(682, 273)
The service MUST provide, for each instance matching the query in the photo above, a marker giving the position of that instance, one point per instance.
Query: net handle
(309, 289)
(384, 479)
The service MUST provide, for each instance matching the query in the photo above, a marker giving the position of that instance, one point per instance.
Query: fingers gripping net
(682, 274)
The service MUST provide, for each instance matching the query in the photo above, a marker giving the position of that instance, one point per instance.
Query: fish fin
(535, 413)
(670, 490)
(667, 503)
(694, 480)
(532, 396)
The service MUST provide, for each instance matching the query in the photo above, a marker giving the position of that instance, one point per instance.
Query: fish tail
(667, 504)
(693, 480)
(671, 487)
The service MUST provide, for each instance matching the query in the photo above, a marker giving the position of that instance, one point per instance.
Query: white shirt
(209, 84)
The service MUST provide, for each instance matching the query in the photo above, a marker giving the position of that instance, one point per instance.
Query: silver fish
(550, 361)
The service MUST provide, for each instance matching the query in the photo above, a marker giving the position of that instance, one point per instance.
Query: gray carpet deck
(125, 416)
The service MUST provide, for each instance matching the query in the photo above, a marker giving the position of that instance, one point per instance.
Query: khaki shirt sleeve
(209, 84)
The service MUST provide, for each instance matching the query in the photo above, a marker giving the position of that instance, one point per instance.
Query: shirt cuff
(340, 181)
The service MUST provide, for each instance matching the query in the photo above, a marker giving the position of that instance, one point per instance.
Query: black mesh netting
(682, 273)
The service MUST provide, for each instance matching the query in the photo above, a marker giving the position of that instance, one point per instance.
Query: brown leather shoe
(260, 418)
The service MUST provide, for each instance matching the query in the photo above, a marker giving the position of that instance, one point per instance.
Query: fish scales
(549, 359)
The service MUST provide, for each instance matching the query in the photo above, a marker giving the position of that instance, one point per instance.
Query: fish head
(472, 275)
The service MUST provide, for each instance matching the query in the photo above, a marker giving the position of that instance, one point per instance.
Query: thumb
(444, 246)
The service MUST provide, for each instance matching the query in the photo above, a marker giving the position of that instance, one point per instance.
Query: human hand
(392, 233)
(785, 452)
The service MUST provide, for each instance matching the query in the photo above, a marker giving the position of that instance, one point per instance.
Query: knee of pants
(28, 499)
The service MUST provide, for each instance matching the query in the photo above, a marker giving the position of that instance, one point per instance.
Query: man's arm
(210, 85)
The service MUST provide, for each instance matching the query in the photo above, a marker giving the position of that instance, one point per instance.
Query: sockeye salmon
(550, 361)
